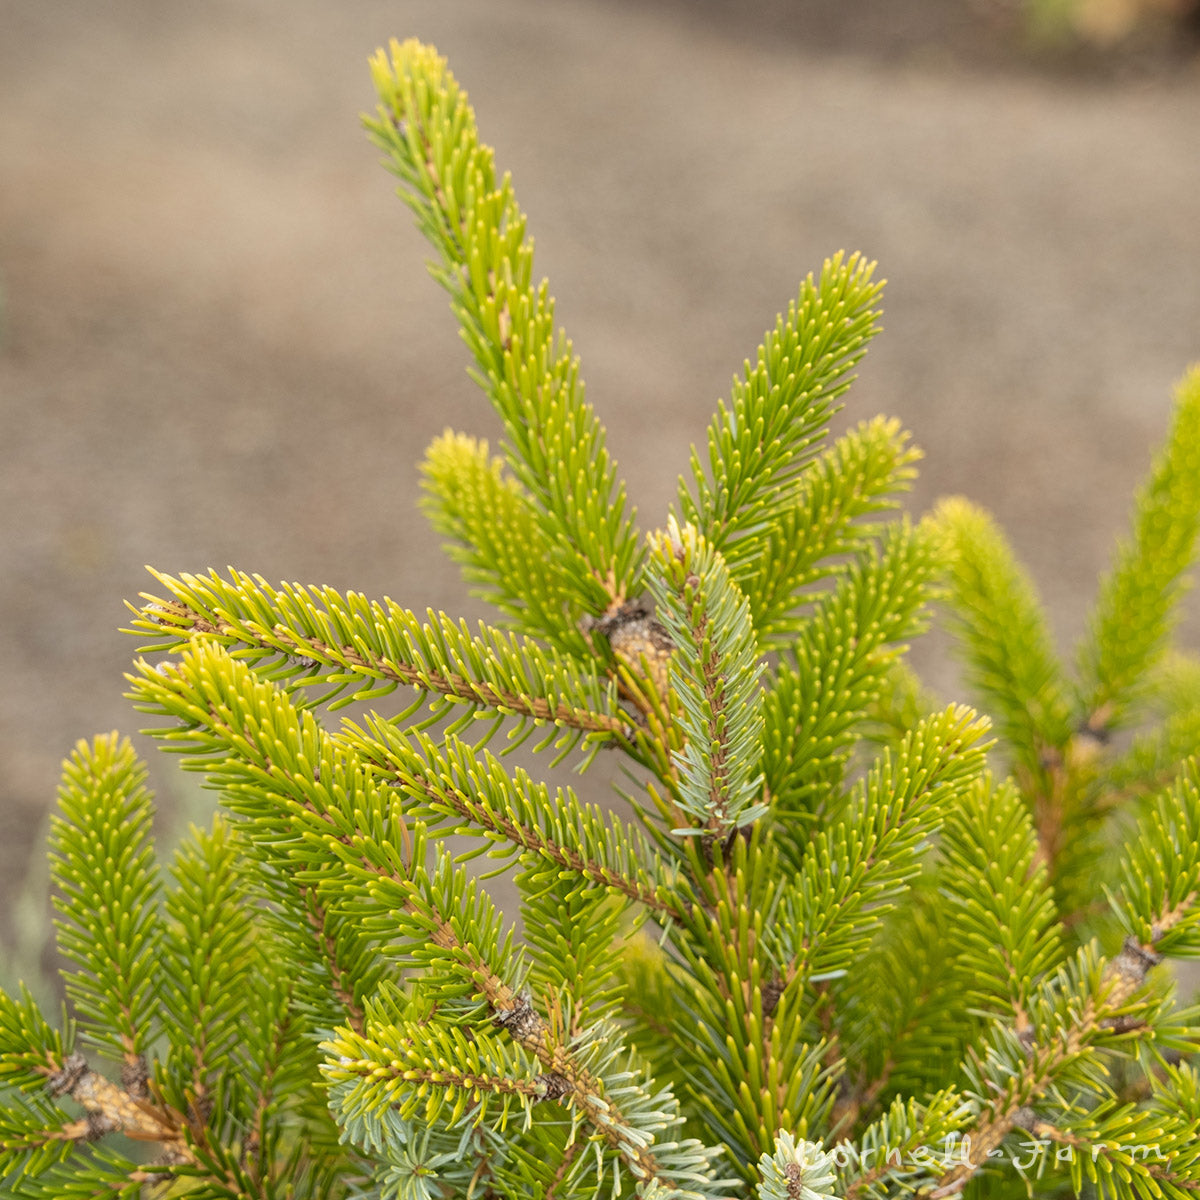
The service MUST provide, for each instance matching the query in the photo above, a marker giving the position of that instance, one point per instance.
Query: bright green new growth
(1138, 598)
(827, 954)
(1081, 783)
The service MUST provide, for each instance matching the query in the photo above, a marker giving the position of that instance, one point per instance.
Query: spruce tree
(830, 952)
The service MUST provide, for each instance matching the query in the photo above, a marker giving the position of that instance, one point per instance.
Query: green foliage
(1079, 780)
(819, 529)
(715, 674)
(828, 952)
(1138, 598)
(1161, 871)
(836, 668)
(108, 890)
(760, 443)
(554, 442)
(1003, 935)
(1090, 848)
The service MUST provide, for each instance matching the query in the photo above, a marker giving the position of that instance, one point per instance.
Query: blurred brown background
(219, 346)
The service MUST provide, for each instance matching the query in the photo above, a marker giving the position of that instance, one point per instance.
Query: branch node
(553, 1085)
(1134, 961)
(65, 1082)
(521, 1020)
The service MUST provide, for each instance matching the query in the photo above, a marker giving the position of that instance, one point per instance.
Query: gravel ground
(219, 345)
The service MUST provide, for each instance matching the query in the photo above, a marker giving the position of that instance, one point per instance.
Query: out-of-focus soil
(219, 345)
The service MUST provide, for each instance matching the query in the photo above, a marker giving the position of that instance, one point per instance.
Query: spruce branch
(313, 636)
(1005, 640)
(292, 784)
(1135, 609)
(554, 444)
(835, 672)
(108, 1176)
(1158, 900)
(435, 921)
(407, 1156)
(762, 440)
(304, 797)
(747, 1063)
(568, 1171)
(420, 1070)
(1088, 1005)
(810, 537)
(1121, 1151)
(31, 1051)
(862, 863)
(281, 1060)
(128, 1109)
(30, 1047)
(763, 1076)
(31, 1140)
(1151, 760)
(650, 1007)
(1003, 928)
(320, 960)
(1175, 1103)
(1153, 757)
(1010, 659)
(209, 935)
(863, 859)
(1175, 684)
(341, 949)
(900, 1013)
(853, 951)
(101, 860)
(898, 1147)
(575, 938)
(187, 1097)
(491, 530)
(452, 782)
(715, 672)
